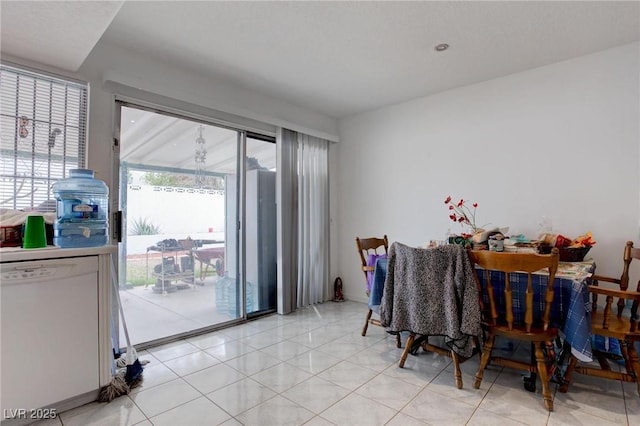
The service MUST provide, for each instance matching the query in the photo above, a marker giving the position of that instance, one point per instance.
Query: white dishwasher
(49, 325)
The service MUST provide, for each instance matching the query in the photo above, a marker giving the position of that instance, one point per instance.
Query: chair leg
(366, 323)
(633, 364)
(407, 348)
(568, 374)
(206, 269)
(484, 360)
(543, 372)
(398, 340)
(625, 354)
(456, 369)
(604, 364)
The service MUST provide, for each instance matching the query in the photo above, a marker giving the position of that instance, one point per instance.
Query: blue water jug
(81, 210)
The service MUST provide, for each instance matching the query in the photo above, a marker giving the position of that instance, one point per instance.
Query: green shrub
(142, 226)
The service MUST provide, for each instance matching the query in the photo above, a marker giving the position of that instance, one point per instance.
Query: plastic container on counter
(81, 210)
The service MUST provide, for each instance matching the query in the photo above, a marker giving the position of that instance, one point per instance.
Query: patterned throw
(432, 292)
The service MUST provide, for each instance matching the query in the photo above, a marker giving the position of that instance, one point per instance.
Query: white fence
(177, 212)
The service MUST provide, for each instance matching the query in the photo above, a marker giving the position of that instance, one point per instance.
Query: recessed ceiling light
(441, 47)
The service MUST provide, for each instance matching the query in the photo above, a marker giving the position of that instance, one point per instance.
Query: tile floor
(314, 368)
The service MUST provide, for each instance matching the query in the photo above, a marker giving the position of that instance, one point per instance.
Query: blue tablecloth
(571, 307)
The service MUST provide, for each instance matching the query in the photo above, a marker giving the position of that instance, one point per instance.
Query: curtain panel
(303, 243)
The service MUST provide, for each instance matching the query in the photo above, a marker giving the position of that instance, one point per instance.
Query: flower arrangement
(462, 214)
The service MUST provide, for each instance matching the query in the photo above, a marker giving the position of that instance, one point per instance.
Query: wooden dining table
(570, 311)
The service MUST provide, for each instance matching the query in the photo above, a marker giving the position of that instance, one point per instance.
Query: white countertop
(14, 254)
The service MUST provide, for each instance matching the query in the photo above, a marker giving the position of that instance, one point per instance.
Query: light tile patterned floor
(314, 368)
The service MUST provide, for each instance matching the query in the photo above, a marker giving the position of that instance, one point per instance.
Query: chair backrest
(506, 263)
(367, 246)
(630, 253)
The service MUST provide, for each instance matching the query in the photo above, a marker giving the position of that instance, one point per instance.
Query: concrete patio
(151, 315)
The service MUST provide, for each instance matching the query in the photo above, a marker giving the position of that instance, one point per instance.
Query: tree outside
(181, 180)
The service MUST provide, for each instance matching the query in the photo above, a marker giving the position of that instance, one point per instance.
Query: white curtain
(303, 212)
(313, 220)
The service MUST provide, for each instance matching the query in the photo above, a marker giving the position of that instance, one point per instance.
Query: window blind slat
(42, 136)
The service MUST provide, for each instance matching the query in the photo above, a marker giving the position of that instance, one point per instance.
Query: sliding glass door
(198, 214)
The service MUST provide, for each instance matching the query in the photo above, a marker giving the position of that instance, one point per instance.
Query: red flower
(462, 213)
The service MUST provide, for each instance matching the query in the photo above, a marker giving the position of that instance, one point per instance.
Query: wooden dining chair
(517, 319)
(368, 251)
(619, 322)
(433, 293)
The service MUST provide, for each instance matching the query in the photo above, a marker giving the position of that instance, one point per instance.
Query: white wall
(561, 141)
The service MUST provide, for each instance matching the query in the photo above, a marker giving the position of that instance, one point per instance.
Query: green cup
(35, 234)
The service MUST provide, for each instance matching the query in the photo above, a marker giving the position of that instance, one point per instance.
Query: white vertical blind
(303, 212)
(287, 217)
(43, 123)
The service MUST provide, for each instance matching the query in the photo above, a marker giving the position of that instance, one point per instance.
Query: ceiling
(336, 58)
(59, 34)
(158, 140)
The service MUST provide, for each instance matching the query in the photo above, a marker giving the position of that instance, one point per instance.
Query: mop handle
(117, 291)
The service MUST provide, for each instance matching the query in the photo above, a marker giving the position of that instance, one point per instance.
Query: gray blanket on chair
(432, 292)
